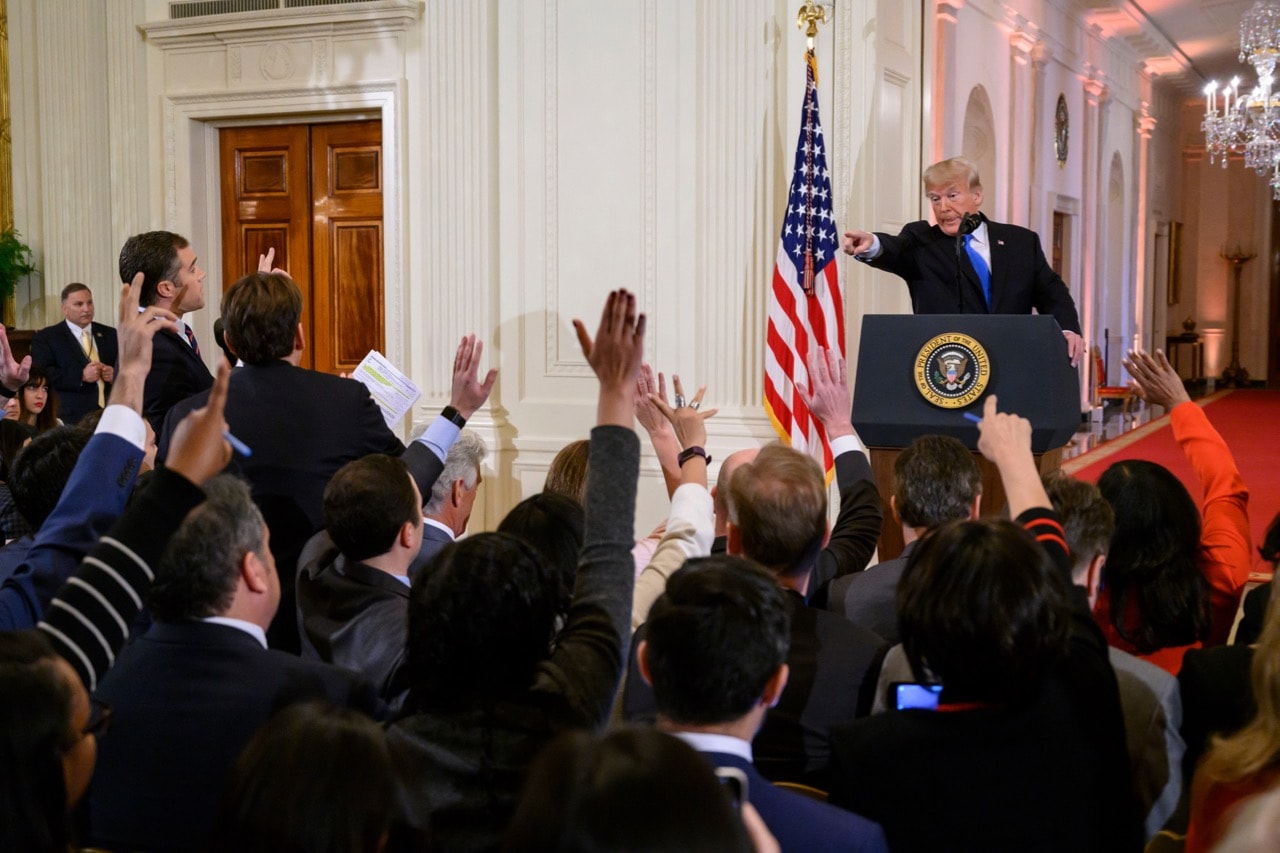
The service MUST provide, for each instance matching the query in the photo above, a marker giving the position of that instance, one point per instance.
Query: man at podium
(967, 264)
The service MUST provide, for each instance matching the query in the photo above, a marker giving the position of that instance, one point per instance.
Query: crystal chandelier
(1249, 124)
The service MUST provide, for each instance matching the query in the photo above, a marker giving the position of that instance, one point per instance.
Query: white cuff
(123, 421)
(845, 443)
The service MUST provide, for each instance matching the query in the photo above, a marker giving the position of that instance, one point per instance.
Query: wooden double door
(314, 194)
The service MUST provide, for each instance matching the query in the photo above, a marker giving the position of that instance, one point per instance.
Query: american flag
(807, 308)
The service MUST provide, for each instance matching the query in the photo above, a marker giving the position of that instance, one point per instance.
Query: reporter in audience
(1026, 750)
(490, 688)
(48, 726)
(315, 779)
(632, 789)
(38, 403)
(1247, 762)
(1174, 574)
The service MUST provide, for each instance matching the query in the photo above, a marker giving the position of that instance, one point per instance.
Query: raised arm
(857, 528)
(101, 482)
(691, 524)
(1224, 510)
(592, 647)
(663, 438)
(425, 456)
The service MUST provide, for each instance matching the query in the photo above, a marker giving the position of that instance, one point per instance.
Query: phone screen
(911, 694)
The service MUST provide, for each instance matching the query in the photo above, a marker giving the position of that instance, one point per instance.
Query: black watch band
(690, 452)
(454, 415)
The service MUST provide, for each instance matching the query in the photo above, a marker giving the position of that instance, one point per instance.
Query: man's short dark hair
(935, 480)
(982, 607)
(366, 504)
(481, 619)
(200, 566)
(1087, 519)
(155, 255)
(41, 471)
(779, 504)
(260, 314)
(73, 287)
(715, 637)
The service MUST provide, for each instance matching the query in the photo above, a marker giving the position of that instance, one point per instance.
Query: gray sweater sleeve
(592, 647)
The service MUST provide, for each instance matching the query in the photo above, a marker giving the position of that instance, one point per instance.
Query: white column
(1022, 126)
(1144, 268)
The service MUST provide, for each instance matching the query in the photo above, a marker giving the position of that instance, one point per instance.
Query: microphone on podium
(968, 224)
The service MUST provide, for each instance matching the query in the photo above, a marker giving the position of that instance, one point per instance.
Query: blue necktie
(191, 337)
(980, 267)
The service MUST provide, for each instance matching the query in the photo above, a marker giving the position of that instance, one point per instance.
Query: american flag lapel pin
(999, 242)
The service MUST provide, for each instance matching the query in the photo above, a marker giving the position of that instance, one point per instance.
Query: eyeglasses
(99, 718)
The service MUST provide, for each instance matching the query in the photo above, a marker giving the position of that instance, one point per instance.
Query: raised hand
(265, 263)
(469, 393)
(12, 374)
(198, 450)
(615, 355)
(827, 392)
(647, 412)
(688, 420)
(1155, 380)
(1005, 439)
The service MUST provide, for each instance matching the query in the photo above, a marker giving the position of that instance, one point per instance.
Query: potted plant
(16, 261)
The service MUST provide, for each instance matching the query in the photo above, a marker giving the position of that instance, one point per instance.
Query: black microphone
(968, 224)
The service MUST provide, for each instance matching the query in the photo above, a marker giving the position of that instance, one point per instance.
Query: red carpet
(1249, 421)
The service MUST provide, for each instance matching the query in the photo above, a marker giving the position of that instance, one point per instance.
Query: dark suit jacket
(834, 666)
(186, 698)
(302, 426)
(869, 598)
(176, 373)
(91, 502)
(433, 541)
(56, 350)
(857, 528)
(354, 616)
(802, 824)
(1021, 278)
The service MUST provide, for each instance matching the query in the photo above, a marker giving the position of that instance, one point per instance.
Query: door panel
(346, 234)
(314, 194)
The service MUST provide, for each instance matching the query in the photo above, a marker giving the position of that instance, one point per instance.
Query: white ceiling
(1187, 42)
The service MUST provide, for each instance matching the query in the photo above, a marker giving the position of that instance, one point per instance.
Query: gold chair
(805, 790)
(1102, 393)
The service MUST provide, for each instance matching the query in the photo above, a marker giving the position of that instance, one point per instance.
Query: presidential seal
(952, 371)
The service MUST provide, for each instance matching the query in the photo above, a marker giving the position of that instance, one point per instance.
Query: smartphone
(734, 781)
(913, 694)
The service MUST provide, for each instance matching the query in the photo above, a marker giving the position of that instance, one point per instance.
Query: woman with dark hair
(490, 689)
(552, 524)
(631, 790)
(13, 437)
(47, 743)
(315, 779)
(1026, 749)
(1174, 574)
(38, 402)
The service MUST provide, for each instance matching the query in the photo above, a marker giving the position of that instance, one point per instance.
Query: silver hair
(461, 463)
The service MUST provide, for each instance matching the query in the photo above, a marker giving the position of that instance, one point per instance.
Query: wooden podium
(904, 389)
